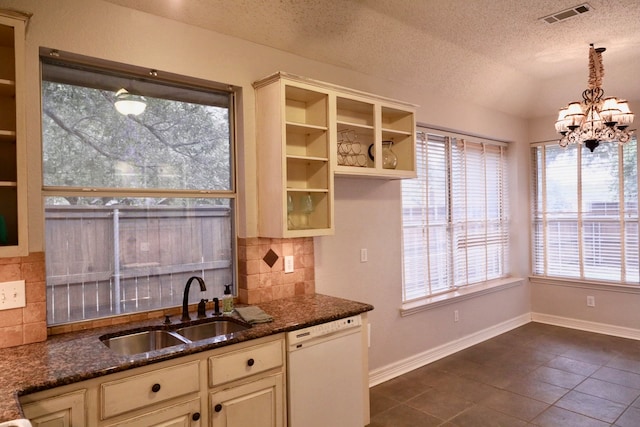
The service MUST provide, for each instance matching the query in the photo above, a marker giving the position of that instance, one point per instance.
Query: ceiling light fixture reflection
(127, 103)
(596, 119)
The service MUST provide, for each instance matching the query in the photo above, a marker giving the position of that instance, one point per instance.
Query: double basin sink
(157, 338)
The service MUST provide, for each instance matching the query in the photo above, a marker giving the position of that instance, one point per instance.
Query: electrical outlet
(288, 264)
(364, 256)
(591, 301)
(456, 316)
(12, 295)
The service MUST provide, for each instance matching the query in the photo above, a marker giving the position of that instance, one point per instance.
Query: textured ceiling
(495, 53)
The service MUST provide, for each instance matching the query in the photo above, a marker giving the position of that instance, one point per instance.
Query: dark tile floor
(535, 375)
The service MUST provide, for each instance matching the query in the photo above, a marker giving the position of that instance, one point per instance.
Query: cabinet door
(185, 414)
(256, 404)
(66, 410)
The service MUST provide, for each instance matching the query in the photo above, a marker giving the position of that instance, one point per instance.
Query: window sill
(585, 284)
(459, 295)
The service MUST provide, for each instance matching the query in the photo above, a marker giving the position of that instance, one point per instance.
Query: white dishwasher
(326, 374)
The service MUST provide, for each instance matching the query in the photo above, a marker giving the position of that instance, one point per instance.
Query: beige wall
(368, 216)
(367, 211)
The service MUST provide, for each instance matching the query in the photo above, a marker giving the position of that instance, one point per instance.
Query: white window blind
(455, 218)
(585, 212)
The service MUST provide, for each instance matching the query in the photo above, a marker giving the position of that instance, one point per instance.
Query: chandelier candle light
(596, 119)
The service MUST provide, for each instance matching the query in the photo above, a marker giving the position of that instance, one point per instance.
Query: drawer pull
(218, 408)
(196, 416)
(250, 362)
(155, 388)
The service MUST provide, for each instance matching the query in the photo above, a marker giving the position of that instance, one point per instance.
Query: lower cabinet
(256, 404)
(65, 410)
(241, 385)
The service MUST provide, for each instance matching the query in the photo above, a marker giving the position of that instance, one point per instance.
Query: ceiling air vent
(566, 14)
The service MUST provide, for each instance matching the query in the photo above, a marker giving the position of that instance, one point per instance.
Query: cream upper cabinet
(309, 131)
(13, 169)
(295, 180)
(375, 137)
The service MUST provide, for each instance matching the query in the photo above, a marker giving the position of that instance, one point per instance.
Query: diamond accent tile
(270, 258)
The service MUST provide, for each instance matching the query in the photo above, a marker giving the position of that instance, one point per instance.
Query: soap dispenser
(227, 300)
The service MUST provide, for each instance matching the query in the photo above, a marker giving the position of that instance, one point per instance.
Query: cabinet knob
(155, 388)
(251, 362)
(217, 408)
(196, 416)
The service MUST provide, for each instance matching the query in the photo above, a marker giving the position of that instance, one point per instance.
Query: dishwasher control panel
(324, 329)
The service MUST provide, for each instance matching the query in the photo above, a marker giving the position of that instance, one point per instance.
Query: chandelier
(596, 119)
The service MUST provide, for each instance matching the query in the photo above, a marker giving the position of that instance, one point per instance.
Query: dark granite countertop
(77, 356)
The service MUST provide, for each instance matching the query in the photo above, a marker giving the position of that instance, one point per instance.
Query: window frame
(175, 81)
(539, 259)
(452, 289)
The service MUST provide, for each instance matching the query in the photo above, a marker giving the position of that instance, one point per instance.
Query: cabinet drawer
(242, 363)
(127, 394)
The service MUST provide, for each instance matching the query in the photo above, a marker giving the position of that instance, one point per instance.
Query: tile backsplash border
(257, 282)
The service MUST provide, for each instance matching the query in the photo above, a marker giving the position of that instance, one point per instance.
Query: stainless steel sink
(141, 342)
(211, 329)
(156, 339)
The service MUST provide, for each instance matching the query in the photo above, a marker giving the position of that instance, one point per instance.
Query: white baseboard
(585, 325)
(380, 375)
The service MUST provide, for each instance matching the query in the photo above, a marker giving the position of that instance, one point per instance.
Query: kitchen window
(134, 204)
(455, 215)
(585, 212)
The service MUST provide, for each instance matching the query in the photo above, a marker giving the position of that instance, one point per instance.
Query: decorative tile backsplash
(261, 275)
(261, 278)
(27, 324)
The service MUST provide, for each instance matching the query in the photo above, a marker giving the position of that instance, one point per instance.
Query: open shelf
(295, 159)
(372, 124)
(354, 112)
(397, 120)
(308, 210)
(307, 141)
(305, 106)
(8, 214)
(13, 230)
(7, 88)
(310, 131)
(304, 173)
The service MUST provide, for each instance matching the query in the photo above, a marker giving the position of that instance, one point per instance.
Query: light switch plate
(12, 295)
(288, 264)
